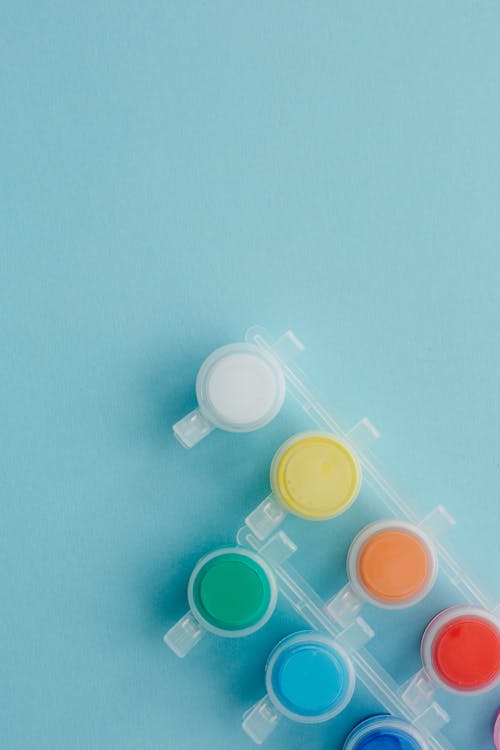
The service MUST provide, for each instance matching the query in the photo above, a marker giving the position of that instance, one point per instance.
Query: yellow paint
(315, 476)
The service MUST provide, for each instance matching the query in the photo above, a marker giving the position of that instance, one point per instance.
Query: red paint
(466, 653)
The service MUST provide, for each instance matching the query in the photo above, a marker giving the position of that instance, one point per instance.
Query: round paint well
(392, 564)
(315, 476)
(461, 649)
(384, 733)
(309, 677)
(232, 592)
(240, 388)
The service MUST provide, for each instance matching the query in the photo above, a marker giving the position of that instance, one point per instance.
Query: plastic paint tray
(434, 699)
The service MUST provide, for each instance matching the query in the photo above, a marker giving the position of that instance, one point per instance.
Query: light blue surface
(171, 173)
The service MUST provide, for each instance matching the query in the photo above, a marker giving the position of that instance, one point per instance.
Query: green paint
(232, 591)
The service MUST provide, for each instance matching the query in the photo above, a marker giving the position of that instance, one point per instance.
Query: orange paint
(394, 565)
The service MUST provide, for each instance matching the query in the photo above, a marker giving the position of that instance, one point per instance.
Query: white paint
(242, 388)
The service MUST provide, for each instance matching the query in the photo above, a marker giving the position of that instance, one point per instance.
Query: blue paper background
(171, 173)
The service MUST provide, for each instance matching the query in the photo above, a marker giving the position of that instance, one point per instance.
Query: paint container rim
(273, 592)
(382, 721)
(297, 438)
(438, 622)
(357, 545)
(310, 637)
(210, 412)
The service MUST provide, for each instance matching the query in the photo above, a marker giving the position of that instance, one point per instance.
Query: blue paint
(388, 739)
(310, 679)
(387, 733)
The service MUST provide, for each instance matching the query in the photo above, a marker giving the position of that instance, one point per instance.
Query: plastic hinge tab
(184, 635)
(192, 428)
(266, 517)
(363, 434)
(432, 719)
(355, 636)
(418, 693)
(437, 522)
(261, 720)
(344, 607)
(287, 346)
(278, 548)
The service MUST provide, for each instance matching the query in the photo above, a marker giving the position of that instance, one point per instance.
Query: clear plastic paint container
(239, 388)
(232, 593)
(309, 679)
(314, 476)
(375, 583)
(385, 733)
(391, 564)
(461, 650)
(460, 653)
(403, 533)
(351, 633)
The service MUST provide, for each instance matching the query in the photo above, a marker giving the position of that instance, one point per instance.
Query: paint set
(392, 562)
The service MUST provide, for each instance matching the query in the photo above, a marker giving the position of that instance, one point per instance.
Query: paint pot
(232, 592)
(314, 475)
(240, 388)
(385, 733)
(461, 650)
(392, 564)
(309, 678)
